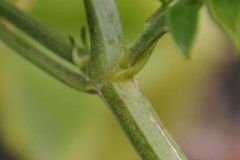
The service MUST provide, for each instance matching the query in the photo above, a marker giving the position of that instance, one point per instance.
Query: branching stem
(123, 96)
(154, 29)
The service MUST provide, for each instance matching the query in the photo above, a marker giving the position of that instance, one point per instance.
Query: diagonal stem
(140, 122)
(154, 29)
(49, 38)
(43, 61)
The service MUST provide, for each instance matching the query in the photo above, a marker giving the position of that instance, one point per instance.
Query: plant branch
(139, 52)
(140, 122)
(49, 38)
(43, 61)
(154, 29)
(135, 114)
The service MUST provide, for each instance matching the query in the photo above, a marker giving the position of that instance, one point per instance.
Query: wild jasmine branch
(121, 93)
(110, 68)
(133, 111)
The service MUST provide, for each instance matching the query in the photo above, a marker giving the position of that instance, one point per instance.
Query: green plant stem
(106, 38)
(43, 61)
(154, 29)
(140, 122)
(135, 114)
(52, 40)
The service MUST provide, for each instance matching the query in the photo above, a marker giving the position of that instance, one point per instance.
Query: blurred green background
(41, 119)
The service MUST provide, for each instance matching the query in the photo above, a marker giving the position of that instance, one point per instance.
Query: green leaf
(227, 14)
(182, 21)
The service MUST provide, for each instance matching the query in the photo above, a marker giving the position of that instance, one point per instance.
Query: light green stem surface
(140, 122)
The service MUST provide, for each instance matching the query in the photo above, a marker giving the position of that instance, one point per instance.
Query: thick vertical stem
(106, 37)
(140, 122)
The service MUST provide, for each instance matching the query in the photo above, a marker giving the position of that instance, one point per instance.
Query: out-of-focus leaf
(227, 14)
(182, 20)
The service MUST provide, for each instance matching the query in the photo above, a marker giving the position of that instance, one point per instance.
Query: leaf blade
(182, 21)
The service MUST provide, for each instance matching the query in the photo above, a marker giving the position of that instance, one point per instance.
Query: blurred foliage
(43, 119)
(227, 15)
